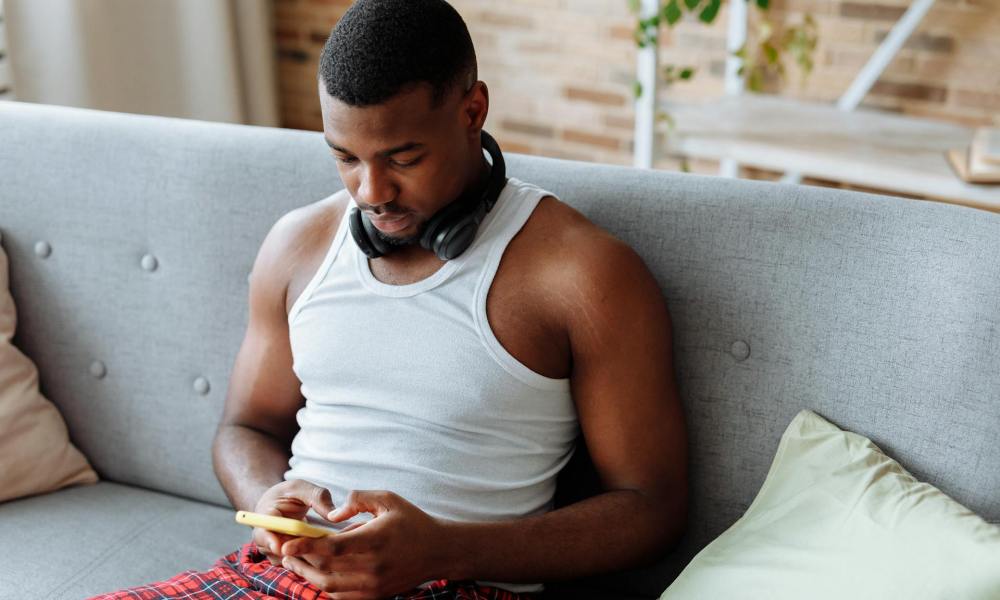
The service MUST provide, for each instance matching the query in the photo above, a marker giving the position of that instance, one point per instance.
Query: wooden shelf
(862, 147)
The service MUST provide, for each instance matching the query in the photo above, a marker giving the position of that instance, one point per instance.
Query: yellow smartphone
(281, 524)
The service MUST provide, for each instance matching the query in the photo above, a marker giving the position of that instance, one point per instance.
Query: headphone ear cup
(452, 230)
(457, 239)
(361, 231)
(440, 223)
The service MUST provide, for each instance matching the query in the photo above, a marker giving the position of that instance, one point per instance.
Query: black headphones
(451, 230)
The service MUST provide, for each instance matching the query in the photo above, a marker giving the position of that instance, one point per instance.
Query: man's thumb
(321, 502)
(356, 502)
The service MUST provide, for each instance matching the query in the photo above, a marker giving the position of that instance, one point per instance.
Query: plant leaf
(770, 52)
(672, 12)
(692, 4)
(762, 4)
(708, 13)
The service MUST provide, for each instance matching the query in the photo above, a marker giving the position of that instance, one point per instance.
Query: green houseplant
(763, 55)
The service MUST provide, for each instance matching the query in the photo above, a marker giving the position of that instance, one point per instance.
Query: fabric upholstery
(87, 540)
(36, 454)
(880, 313)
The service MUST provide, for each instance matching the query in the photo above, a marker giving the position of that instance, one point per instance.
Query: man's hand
(290, 499)
(397, 550)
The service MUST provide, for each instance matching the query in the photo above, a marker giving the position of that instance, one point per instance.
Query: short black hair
(381, 46)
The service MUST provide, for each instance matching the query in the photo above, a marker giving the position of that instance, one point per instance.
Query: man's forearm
(611, 531)
(247, 463)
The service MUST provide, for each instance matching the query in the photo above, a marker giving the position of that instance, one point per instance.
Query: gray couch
(881, 314)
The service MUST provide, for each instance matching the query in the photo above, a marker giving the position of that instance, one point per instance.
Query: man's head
(402, 109)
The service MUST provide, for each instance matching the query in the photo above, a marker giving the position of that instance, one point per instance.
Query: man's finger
(271, 540)
(298, 546)
(321, 501)
(353, 541)
(329, 582)
(362, 501)
(350, 563)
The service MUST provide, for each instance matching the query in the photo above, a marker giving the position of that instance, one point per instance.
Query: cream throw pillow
(838, 519)
(36, 455)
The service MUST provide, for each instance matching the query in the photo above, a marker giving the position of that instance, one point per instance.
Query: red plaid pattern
(246, 573)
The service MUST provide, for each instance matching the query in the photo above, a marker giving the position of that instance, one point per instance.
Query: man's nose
(376, 187)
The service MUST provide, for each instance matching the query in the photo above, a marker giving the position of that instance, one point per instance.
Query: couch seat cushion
(85, 540)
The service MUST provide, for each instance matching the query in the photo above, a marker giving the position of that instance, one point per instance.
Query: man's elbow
(671, 517)
(677, 524)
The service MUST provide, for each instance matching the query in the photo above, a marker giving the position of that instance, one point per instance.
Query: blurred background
(567, 78)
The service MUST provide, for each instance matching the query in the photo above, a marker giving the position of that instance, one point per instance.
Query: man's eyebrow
(389, 152)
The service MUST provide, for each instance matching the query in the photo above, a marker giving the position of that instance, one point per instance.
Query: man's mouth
(390, 223)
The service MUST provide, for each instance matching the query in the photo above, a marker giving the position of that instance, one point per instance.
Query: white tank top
(408, 390)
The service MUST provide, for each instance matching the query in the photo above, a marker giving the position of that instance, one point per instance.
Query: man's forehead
(387, 151)
(406, 115)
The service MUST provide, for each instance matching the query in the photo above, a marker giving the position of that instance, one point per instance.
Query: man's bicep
(264, 392)
(623, 378)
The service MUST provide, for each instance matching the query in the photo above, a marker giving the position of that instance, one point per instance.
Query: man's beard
(401, 241)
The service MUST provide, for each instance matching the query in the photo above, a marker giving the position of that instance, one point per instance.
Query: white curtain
(6, 82)
(201, 59)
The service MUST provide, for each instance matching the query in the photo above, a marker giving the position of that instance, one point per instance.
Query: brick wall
(560, 72)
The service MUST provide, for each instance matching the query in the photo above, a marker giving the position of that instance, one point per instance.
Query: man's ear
(475, 106)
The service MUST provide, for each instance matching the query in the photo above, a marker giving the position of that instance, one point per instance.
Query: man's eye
(406, 163)
(346, 159)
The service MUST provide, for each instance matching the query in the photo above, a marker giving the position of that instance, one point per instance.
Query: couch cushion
(36, 455)
(837, 518)
(85, 540)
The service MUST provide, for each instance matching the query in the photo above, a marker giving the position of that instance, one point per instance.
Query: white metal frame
(647, 75)
(736, 38)
(647, 69)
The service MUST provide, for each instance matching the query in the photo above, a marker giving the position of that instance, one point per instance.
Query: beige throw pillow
(36, 455)
(838, 519)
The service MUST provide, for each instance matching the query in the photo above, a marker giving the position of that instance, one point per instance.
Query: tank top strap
(522, 204)
(328, 259)
(521, 200)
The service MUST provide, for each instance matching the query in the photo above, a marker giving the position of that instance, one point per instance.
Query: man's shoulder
(311, 220)
(297, 240)
(583, 270)
(570, 246)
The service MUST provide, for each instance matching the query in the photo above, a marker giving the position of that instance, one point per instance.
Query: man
(442, 396)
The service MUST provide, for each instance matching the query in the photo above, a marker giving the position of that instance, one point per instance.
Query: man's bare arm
(252, 444)
(630, 414)
(248, 462)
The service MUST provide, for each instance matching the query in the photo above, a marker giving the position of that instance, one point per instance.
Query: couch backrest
(879, 313)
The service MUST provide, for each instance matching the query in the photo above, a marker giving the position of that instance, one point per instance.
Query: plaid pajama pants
(247, 574)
